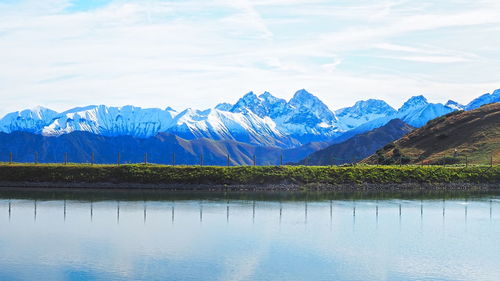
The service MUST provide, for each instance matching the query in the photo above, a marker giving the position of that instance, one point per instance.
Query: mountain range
(295, 127)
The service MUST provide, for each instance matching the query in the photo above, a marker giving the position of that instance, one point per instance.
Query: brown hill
(450, 138)
(359, 146)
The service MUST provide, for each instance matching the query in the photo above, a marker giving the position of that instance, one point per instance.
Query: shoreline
(346, 187)
(250, 178)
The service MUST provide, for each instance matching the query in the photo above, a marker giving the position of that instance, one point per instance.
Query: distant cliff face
(359, 146)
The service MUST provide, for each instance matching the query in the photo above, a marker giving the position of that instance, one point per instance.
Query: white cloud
(199, 53)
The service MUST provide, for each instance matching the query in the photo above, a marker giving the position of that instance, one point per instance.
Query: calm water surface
(57, 235)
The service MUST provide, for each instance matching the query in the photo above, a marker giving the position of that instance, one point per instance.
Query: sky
(198, 53)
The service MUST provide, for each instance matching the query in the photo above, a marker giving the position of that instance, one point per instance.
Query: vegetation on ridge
(243, 175)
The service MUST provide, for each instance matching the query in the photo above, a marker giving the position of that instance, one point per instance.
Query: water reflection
(253, 212)
(173, 213)
(164, 195)
(491, 208)
(201, 212)
(371, 240)
(281, 210)
(305, 212)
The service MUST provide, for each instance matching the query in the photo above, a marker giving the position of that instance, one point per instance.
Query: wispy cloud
(193, 53)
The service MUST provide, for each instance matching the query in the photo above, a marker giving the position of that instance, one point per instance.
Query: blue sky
(152, 53)
(86, 5)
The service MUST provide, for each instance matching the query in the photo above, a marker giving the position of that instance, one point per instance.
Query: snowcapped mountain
(147, 122)
(111, 121)
(224, 125)
(304, 117)
(263, 105)
(29, 120)
(455, 105)
(417, 111)
(362, 112)
(305, 102)
(484, 99)
(263, 120)
(308, 119)
(224, 106)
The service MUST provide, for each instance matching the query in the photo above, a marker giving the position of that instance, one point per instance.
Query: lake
(139, 235)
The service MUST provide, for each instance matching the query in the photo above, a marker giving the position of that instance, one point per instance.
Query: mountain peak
(484, 99)
(362, 112)
(224, 106)
(417, 99)
(373, 105)
(271, 101)
(266, 94)
(303, 97)
(39, 108)
(453, 104)
(308, 110)
(414, 102)
(249, 102)
(250, 96)
(303, 94)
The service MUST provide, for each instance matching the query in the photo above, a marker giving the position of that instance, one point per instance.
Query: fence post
(228, 160)
(281, 159)
(466, 162)
(173, 159)
(118, 159)
(36, 157)
(92, 158)
(491, 160)
(201, 160)
(65, 158)
(145, 158)
(10, 157)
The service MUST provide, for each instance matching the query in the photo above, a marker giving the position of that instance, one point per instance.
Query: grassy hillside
(158, 174)
(359, 146)
(449, 139)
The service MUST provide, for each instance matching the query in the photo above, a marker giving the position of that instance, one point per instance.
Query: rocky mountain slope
(79, 147)
(359, 146)
(448, 139)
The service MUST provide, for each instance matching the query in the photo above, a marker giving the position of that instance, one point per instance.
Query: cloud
(198, 53)
(430, 59)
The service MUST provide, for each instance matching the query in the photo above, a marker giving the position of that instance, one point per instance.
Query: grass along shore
(140, 174)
